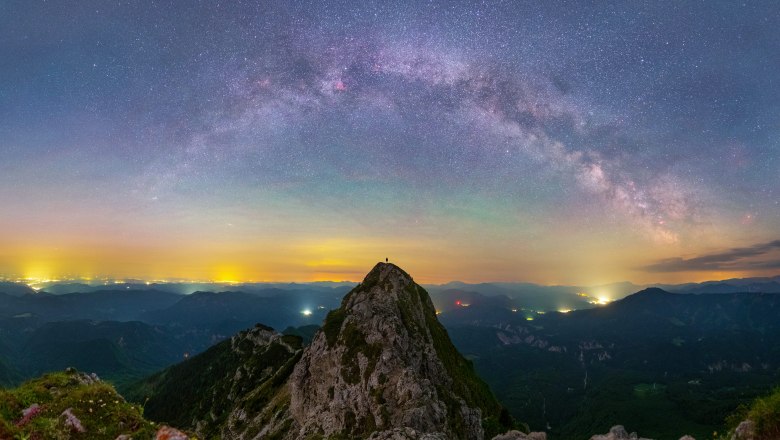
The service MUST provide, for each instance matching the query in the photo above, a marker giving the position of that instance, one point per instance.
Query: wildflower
(29, 414)
(71, 421)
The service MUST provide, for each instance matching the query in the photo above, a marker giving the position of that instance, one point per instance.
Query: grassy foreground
(69, 405)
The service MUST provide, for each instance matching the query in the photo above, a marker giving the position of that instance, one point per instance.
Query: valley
(660, 363)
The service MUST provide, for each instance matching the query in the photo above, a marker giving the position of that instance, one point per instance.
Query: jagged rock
(406, 434)
(746, 430)
(383, 361)
(82, 378)
(511, 435)
(168, 433)
(381, 367)
(517, 435)
(232, 374)
(618, 432)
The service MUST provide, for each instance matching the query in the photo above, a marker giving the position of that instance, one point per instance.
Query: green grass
(102, 412)
(332, 325)
(648, 389)
(764, 412)
(355, 342)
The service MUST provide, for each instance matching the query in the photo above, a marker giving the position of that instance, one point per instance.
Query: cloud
(732, 259)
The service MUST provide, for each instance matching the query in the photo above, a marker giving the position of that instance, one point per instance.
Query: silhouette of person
(386, 260)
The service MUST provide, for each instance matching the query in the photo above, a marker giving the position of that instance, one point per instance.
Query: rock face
(746, 430)
(381, 367)
(168, 433)
(383, 361)
(619, 433)
(517, 435)
(230, 379)
(405, 434)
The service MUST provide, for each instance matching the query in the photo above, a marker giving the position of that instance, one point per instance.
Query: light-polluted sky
(552, 142)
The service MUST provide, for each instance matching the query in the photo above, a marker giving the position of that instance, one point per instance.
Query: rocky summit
(381, 367)
(382, 361)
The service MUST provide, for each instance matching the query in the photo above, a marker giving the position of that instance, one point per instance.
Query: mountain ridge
(381, 366)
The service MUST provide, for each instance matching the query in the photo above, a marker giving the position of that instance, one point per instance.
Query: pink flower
(29, 414)
(71, 421)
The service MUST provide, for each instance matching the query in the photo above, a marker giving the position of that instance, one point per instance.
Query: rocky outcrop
(168, 433)
(381, 367)
(215, 392)
(619, 433)
(406, 434)
(378, 364)
(70, 404)
(746, 430)
(517, 435)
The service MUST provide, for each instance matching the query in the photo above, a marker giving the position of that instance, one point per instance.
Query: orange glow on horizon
(347, 258)
(345, 272)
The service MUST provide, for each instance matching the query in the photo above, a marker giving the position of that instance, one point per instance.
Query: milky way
(541, 142)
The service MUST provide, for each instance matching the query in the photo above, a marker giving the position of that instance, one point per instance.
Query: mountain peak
(380, 292)
(381, 365)
(383, 271)
(382, 361)
(650, 290)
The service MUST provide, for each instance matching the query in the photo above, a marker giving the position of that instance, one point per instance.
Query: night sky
(552, 142)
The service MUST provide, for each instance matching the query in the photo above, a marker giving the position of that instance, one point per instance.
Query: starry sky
(553, 142)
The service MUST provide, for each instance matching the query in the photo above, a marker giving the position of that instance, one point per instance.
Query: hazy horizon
(110, 280)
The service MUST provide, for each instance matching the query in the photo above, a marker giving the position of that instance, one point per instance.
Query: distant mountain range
(183, 288)
(202, 318)
(511, 289)
(15, 289)
(662, 363)
(545, 298)
(125, 334)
